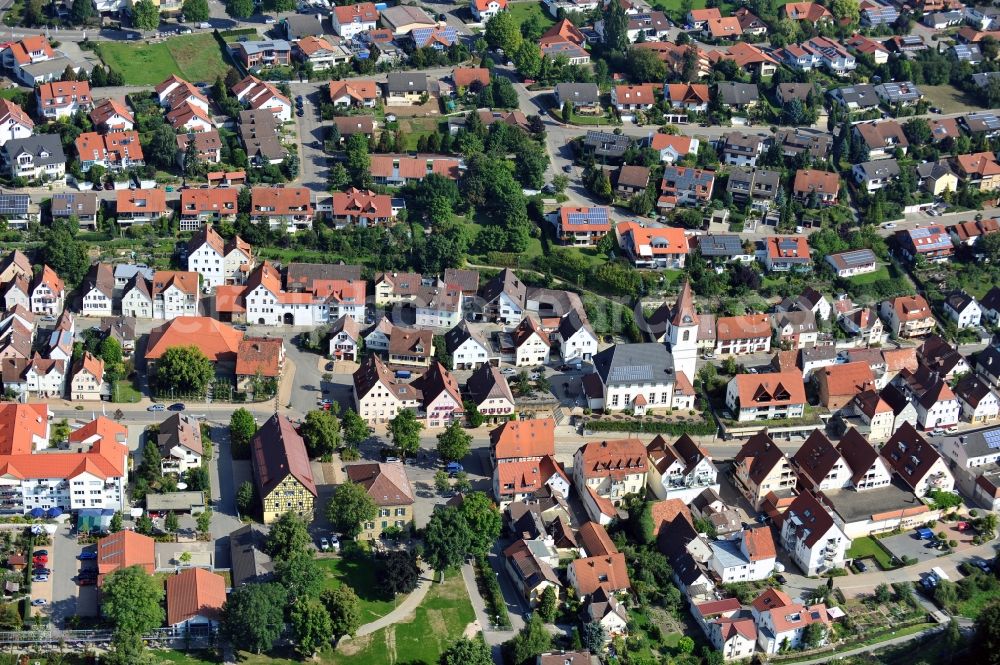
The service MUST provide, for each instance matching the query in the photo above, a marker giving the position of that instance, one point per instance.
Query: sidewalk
(405, 608)
(825, 658)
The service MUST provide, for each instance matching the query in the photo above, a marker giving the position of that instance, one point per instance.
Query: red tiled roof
(523, 438)
(194, 592)
(216, 340)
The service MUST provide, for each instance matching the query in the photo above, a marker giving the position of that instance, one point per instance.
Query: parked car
(41, 553)
(454, 467)
(508, 371)
(84, 556)
(156, 407)
(334, 542)
(860, 565)
(176, 406)
(40, 578)
(41, 571)
(37, 602)
(324, 544)
(42, 560)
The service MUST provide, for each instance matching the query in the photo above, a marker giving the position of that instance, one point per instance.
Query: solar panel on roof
(632, 373)
(16, 204)
(992, 438)
(589, 216)
(857, 257)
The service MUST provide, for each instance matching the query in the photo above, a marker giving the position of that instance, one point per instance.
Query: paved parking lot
(908, 544)
(68, 598)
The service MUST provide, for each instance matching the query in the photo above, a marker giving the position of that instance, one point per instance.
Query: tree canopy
(145, 16)
(344, 608)
(131, 600)
(404, 430)
(184, 370)
(254, 616)
(453, 442)
(484, 521)
(196, 11)
(349, 508)
(447, 539)
(321, 432)
(468, 652)
(288, 535)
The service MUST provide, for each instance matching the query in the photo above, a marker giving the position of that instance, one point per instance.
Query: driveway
(69, 599)
(909, 544)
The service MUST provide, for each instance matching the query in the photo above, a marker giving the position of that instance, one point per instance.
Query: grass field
(522, 11)
(879, 275)
(950, 99)
(414, 128)
(192, 57)
(359, 574)
(866, 547)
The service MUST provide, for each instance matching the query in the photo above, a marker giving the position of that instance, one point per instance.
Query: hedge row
(652, 426)
(489, 587)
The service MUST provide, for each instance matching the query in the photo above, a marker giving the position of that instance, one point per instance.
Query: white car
(508, 371)
(888, 225)
(324, 544)
(535, 376)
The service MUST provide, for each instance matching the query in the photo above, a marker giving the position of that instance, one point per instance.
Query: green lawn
(880, 275)
(193, 57)
(125, 392)
(359, 574)
(413, 128)
(522, 11)
(865, 547)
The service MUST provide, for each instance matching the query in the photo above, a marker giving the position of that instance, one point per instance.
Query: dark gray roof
(44, 149)
(862, 95)
(300, 25)
(570, 324)
(991, 301)
(407, 82)
(795, 141)
(74, 203)
(732, 93)
(934, 169)
(458, 335)
(720, 245)
(624, 364)
(248, 561)
(607, 143)
(881, 168)
(790, 91)
(958, 300)
(505, 282)
(579, 93)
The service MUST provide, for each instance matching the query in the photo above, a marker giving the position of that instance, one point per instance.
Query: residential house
(489, 391)
(207, 146)
(582, 97)
(256, 54)
(503, 298)
(899, 95)
(686, 186)
(257, 95)
(750, 557)
(575, 337)
(290, 208)
(47, 293)
(931, 242)
(140, 206)
(882, 138)
(908, 316)
(737, 96)
(484, 10)
(750, 23)
(916, 462)
(980, 405)
(124, 549)
(796, 329)
(87, 379)
(811, 536)
(61, 99)
(35, 158)
(629, 98)
(740, 335)
(631, 180)
(98, 290)
(760, 467)
(962, 309)
(875, 175)
(406, 89)
(813, 187)
(679, 470)
(672, 147)
(785, 253)
(853, 262)
(687, 96)
(838, 384)
(754, 187)
(775, 396)
(979, 171)
(739, 149)
(810, 12)
(856, 98)
(389, 487)
(583, 227)
(111, 115)
(319, 52)
(174, 293)
(208, 254)
(359, 93)
(867, 468)
(345, 339)
(195, 598)
(378, 396)
(604, 472)
(79, 205)
(259, 363)
(115, 151)
(180, 443)
(937, 177)
(648, 247)
(351, 20)
(281, 472)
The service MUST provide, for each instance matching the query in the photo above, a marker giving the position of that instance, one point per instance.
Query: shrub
(651, 426)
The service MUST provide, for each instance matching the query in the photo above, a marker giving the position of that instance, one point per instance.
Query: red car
(40, 559)
(86, 581)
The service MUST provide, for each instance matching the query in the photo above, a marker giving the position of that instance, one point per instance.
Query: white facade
(85, 386)
(173, 302)
(470, 355)
(137, 304)
(508, 311)
(47, 384)
(343, 346)
(969, 317)
(45, 301)
(96, 303)
(81, 491)
(350, 29)
(942, 413)
(731, 563)
(179, 460)
(828, 550)
(215, 269)
(532, 351)
(491, 9)
(581, 345)
(432, 316)
(673, 483)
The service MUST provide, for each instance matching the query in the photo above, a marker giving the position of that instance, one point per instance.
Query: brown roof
(186, 281)
(869, 402)
(386, 483)
(465, 76)
(616, 459)
(760, 455)
(411, 342)
(684, 450)
(814, 520)
(595, 572)
(595, 540)
(633, 176)
(466, 280)
(259, 354)
(524, 331)
(280, 201)
(523, 438)
(770, 599)
(811, 180)
(101, 276)
(436, 380)
(666, 511)
(180, 430)
(195, 592)
(488, 382)
(857, 452)
(278, 451)
(759, 544)
(816, 457)
(846, 379)
(909, 454)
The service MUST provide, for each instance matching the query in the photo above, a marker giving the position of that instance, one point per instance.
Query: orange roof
(911, 308)
(770, 599)
(141, 200)
(983, 164)
(11, 112)
(687, 92)
(615, 459)
(413, 168)
(311, 44)
(725, 27)
(759, 544)
(846, 379)
(358, 89)
(635, 94)
(362, 202)
(775, 389)
(19, 425)
(221, 199)
(519, 477)
(280, 201)
(466, 76)
(23, 49)
(50, 278)
(194, 592)
(105, 109)
(806, 11)
(749, 326)
(705, 14)
(595, 572)
(124, 549)
(821, 182)
(49, 93)
(666, 511)
(523, 438)
(483, 5)
(682, 144)
(777, 250)
(183, 280)
(92, 364)
(661, 241)
(575, 218)
(595, 540)
(259, 354)
(563, 31)
(361, 12)
(744, 54)
(216, 340)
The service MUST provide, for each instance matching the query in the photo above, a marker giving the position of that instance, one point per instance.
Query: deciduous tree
(453, 442)
(288, 535)
(446, 539)
(321, 432)
(145, 15)
(468, 652)
(349, 508)
(241, 429)
(484, 521)
(254, 616)
(404, 431)
(299, 575)
(311, 626)
(184, 370)
(196, 11)
(345, 610)
(244, 497)
(354, 427)
(502, 32)
(131, 600)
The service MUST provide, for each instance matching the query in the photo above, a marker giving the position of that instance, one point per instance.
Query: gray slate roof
(640, 364)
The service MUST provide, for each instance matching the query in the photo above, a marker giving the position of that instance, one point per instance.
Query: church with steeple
(654, 375)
